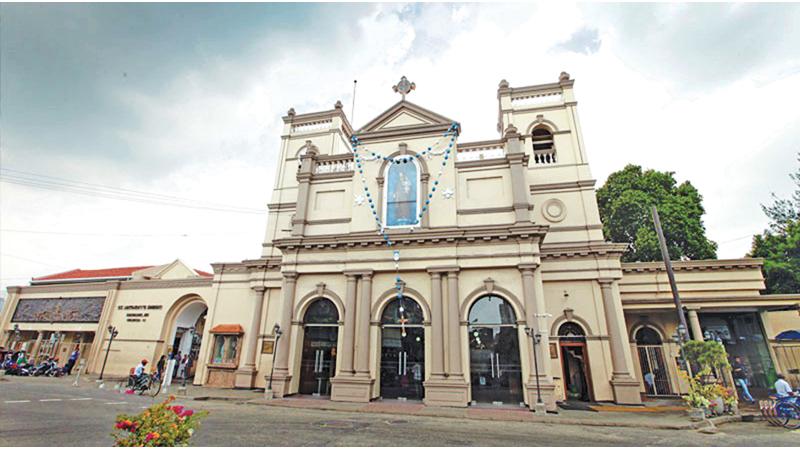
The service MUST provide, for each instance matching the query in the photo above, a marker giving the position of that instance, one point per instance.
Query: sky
(185, 101)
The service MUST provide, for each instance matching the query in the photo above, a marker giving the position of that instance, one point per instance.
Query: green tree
(625, 201)
(780, 244)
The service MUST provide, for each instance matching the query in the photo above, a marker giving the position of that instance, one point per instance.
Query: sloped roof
(114, 272)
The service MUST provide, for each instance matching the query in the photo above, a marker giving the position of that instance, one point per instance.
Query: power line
(46, 182)
(69, 233)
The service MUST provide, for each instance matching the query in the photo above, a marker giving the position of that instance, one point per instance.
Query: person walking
(740, 377)
(160, 366)
(177, 357)
(73, 358)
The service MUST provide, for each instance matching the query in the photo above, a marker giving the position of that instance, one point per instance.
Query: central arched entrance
(187, 335)
(402, 350)
(320, 335)
(494, 361)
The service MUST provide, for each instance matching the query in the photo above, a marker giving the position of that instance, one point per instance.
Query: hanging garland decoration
(433, 150)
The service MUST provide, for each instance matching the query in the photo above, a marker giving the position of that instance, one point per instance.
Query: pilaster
(536, 318)
(245, 376)
(624, 386)
(281, 376)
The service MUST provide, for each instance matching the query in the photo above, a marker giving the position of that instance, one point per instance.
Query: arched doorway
(574, 362)
(494, 361)
(402, 350)
(187, 335)
(651, 359)
(320, 335)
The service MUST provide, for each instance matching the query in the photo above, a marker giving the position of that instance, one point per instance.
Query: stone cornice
(757, 300)
(282, 206)
(701, 264)
(402, 237)
(534, 188)
(406, 132)
(163, 284)
(605, 248)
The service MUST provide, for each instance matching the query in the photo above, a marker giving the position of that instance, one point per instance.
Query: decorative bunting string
(429, 153)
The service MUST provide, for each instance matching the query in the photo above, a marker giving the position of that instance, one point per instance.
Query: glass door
(318, 364)
(402, 362)
(495, 370)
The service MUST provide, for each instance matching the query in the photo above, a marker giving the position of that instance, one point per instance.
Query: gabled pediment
(176, 270)
(404, 115)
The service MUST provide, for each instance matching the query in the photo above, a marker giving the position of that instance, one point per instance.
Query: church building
(401, 263)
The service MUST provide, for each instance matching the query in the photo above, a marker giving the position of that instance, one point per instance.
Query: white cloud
(214, 135)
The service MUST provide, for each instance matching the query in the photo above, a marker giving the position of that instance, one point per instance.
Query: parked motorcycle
(42, 368)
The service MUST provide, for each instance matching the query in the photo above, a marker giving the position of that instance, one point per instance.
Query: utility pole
(671, 275)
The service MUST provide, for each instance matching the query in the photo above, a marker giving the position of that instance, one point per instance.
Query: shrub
(160, 425)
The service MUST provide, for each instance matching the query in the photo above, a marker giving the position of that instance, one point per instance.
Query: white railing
(334, 166)
(312, 126)
(547, 156)
(479, 153)
(537, 99)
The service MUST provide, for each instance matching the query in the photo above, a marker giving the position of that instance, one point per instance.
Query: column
(349, 325)
(625, 387)
(532, 308)
(517, 160)
(307, 162)
(694, 324)
(453, 326)
(437, 326)
(287, 309)
(362, 326)
(8, 314)
(246, 372)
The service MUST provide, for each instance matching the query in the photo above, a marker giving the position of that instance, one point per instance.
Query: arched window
(571, 331)
(411, 311)
(402, 193)
(321, 312)
(543, 147)
(647, 336)
(492, 310)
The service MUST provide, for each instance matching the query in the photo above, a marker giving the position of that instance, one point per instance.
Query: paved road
(47, 412)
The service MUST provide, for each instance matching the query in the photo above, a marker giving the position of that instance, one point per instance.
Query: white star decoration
(448, 193)
(360, 200)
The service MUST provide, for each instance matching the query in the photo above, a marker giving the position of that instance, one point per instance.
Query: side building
(499, 286)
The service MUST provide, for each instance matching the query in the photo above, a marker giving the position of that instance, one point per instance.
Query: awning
(788, 335)
(225, 328)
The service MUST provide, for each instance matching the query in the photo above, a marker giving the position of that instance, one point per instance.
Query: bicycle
(146, 385)
(781, 412)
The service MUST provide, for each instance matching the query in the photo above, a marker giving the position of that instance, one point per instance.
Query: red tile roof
(115, 272)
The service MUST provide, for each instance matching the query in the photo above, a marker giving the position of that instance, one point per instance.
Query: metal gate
(788, 356)
(654, 371)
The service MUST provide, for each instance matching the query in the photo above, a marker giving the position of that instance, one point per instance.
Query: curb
(531, 418)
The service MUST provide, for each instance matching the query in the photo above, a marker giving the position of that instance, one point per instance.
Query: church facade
(401, 263)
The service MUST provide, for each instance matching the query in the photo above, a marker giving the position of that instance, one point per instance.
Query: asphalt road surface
(48, 412)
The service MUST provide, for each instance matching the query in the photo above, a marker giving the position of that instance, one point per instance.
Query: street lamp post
(680, 338)
(536, 337)
(112, 332)
(276, 330)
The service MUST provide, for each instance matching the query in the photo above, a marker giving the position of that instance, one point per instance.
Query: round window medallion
(554, 210)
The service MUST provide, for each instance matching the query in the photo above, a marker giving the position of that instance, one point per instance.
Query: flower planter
(717, 406)
(697, 414)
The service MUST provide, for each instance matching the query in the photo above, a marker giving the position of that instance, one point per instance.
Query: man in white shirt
(139, 370)
(783, 388)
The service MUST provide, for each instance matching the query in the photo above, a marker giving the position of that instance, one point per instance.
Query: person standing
(73, 357)
(740, 377)
(182, 368)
